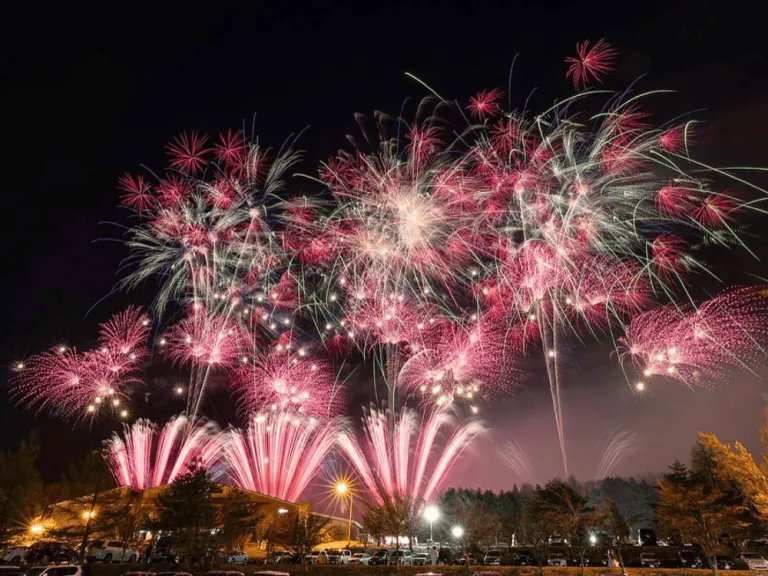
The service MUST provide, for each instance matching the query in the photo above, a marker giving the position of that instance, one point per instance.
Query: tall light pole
(431, 513)
(342, 489)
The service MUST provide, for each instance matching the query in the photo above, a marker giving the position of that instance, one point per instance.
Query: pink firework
(278, 455)
(405, 457)
(463, 363)
(288, 379)
(485, 103)
(80, 385)
(591, 63)
(203, 339)
(145, 458)
(699, 346)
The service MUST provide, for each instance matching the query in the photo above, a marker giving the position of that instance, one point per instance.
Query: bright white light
(457, 532)
(640, 386)
(431, 513)
(592, 539)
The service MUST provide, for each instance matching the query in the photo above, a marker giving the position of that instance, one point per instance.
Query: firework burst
(80, 385)
(698, 346)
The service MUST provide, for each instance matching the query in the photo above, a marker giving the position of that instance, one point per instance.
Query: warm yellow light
(341, 488)
(89, 514)
(36, 529)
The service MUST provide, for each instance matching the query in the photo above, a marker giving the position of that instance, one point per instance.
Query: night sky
(89, 95)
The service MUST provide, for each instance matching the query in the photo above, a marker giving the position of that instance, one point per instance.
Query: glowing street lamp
(431, 513)
(592, 539)
(343, 491)
(457, 532)
(36, 529)
(282, 511)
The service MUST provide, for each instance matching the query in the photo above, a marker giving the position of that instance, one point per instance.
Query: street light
(36, 528)
(431, 513)
(457, 532)
(343, 491)
(592, 539)
(282, 511)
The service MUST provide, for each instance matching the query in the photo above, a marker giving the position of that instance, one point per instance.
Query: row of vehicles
(106, 551)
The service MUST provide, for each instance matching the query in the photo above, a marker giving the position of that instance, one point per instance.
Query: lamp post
(458, 533)
(431, 513)
(342, 489)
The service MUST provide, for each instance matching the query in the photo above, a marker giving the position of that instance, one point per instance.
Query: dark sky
(88, 95)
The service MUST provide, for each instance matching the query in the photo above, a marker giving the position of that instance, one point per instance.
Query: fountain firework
(279, 454)
(391, 464)
(145, 458)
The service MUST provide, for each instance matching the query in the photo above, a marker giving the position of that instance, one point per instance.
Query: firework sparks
(514, 456)
(80, 385)
(698, 346)
(403, 457)
(278, 455)
(145, 458)
(621, 444)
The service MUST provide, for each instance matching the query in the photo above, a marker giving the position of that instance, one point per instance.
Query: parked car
(523, 559)
(421, 559)
(380, 558)
(754, 561)
(492, 558)
(649, 560)
(400, 557)
(13, 570)
(110, 551)
(557, 540)
(557, 560)
(164, 551)
(224, 573)
(689, 559)
(51, 552)
(71, 570)
(360, 558)
(317, 557)
(580, 561)
(236, 557)
(14, 555)
(339, 556)
(724, 562)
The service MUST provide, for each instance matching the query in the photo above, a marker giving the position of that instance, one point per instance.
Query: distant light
(551, 353)
(91, 408)
(640, 386)
(179, 390)
(341, 488)
(36, 529)
(457, 531)
(592, 539)
(431, 513)
(282, 511)
(123, 413)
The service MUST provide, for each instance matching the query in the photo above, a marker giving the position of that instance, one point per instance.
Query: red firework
(591, 63)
